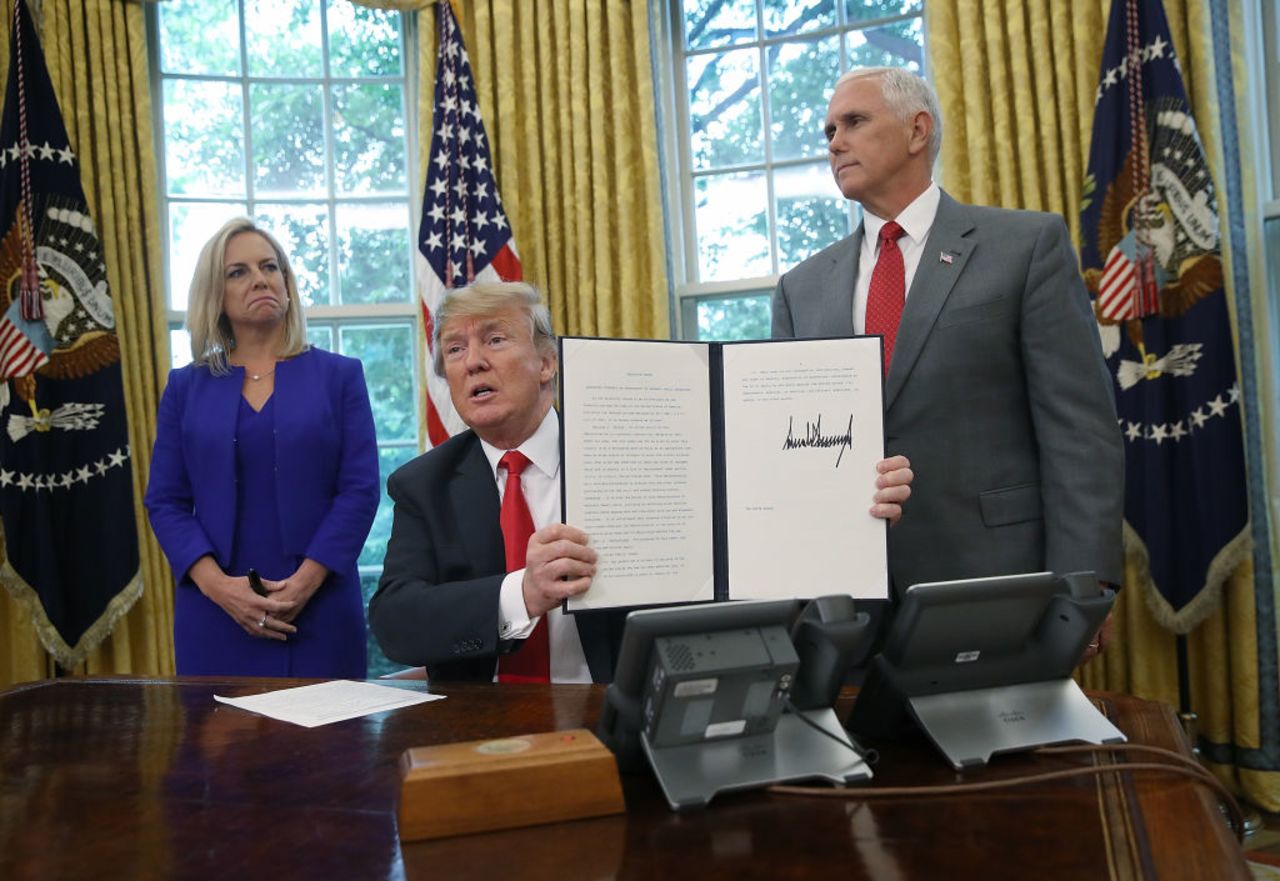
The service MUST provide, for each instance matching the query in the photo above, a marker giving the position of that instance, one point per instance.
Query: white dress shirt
(916, 219)
(541, 484)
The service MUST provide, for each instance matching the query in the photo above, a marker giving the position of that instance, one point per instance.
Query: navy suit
(326, 488)
(437, 603)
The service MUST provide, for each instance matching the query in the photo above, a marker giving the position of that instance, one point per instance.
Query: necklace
(257, 376)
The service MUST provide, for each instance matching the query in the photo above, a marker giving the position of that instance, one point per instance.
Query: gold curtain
(1016, 80)
(96, 51)
(566, 94)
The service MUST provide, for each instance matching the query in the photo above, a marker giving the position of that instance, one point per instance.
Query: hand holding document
(707, 471)
(325, 702)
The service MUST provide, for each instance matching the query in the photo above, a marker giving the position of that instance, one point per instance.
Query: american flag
(464, 235)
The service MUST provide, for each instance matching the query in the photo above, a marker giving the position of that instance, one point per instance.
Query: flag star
(477, 247)
(464, 161)
(481, 163)
(78, 246)
(67, 479)
(464, 134)
(84, 474)
(1134, 431)
(465, 80)
(15, 151)
(1158, 433)
(1158, 46)
(25, 482)
(438, 187)
(117, 458)
(4, 158)
(460, 187)
(101, 466)
(46, 151)
(482, 220)
(6, 477)
(449, 77)
(65, 155)
(1176, 431)
(450, 103)
(1198, 417)
(436, 212)
(482, 190)
(1218, 406)
(457, 242)
(499, 220)
(30, 151)
(441, 160)
(459, 215)
(1233, 393)
(433, 241)
(447, 132)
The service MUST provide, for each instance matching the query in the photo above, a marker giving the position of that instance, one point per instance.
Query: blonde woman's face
(254, 290)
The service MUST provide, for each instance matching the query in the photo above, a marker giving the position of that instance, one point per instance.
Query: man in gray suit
(996, 388)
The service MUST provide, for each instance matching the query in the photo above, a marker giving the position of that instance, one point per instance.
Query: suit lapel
(838, 320)
(935, 277)
(474, 496)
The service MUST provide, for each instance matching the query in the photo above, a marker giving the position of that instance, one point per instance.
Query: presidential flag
(70, 549)
(1151, 258)
(464, 235)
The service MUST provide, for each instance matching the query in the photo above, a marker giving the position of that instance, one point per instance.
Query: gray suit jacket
(998, 393)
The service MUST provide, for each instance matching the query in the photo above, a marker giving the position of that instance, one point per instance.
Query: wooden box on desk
(482, 785)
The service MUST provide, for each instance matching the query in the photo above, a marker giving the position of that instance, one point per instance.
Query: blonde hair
(906, 94)
(211, 336)
(487, 298)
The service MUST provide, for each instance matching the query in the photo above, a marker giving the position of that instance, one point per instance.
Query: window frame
(679, 193)
(334, 316)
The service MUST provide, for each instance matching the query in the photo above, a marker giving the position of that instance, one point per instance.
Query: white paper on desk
(804, 428)
(325, 702)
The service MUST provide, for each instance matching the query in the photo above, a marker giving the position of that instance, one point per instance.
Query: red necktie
(888, 290)
(532, 661)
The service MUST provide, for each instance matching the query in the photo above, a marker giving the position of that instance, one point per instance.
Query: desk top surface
(133, 778)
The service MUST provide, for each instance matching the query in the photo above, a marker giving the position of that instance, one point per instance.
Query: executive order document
(705, 471)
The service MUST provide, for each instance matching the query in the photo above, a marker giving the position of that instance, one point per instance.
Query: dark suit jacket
(998, 393)
(437, 602)
(326, 462)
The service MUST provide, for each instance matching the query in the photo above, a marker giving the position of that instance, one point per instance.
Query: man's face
(870, 148)
(498, 380)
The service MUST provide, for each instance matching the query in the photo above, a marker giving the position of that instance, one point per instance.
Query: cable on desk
(1184, 767)
(870, 756)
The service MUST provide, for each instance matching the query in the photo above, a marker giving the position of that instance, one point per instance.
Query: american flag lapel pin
(944, 257)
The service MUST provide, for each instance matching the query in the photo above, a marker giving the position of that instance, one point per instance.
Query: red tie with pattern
(888, 290)
(532, 661)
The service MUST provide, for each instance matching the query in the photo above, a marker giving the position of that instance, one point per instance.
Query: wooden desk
(141, 779)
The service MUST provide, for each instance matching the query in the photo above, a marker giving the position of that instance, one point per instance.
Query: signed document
(706, 471)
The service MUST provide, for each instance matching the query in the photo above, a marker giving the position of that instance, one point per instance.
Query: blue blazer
(327, 480)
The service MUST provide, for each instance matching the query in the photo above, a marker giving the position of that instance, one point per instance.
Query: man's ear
(547, 371)
(921, 130)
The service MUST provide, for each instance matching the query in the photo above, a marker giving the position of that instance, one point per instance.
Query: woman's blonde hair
(211, 337)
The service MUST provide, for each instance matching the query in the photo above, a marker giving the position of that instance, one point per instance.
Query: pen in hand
(256, 583)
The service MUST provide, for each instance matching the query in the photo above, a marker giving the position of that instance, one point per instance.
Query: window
(752, 194)
(295, 113)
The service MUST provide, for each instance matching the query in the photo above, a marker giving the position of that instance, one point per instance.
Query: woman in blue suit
(265, 459)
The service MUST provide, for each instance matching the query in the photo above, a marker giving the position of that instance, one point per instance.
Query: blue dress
(330, 642)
